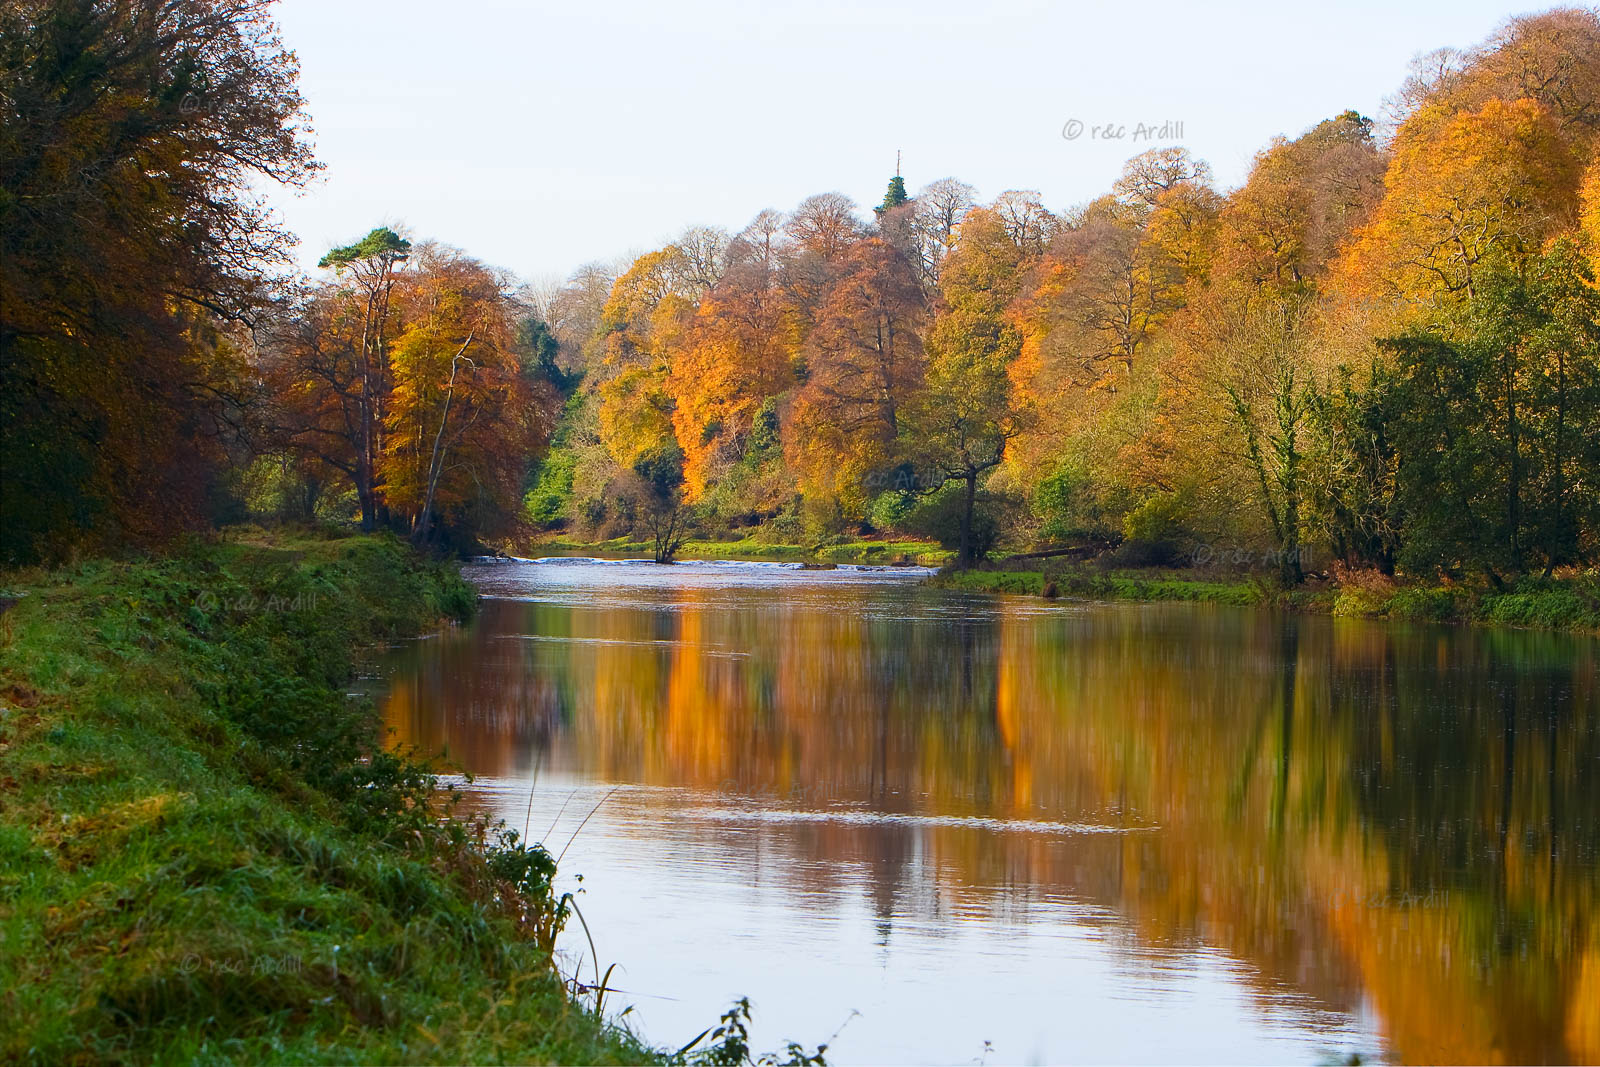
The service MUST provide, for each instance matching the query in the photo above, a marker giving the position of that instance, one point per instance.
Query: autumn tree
(310, 363)
(820, 230)
(1589, 216)
(131, 237)
(1552, 58)
(467, 414)
(824, 225)
(369, 269)
(737, 351)
(1460, 190)
(1301, 200)
(1242, 364)
(575, 310)
(635, 426)
(1110, 279)
(863, 358)
(959, 424)
(644, 308)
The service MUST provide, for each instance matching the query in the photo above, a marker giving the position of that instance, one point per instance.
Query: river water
(926, 826)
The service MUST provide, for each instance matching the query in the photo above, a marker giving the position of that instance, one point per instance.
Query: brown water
(1080, 833)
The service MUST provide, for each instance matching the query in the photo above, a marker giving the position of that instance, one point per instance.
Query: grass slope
(205, 855)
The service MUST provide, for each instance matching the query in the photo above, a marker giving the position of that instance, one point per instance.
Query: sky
(540, 136)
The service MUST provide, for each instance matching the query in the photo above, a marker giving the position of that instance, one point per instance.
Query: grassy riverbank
(1544, 603)
(920, 553)
(205, 853)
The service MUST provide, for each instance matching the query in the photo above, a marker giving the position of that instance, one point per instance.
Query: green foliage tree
(894, 197)
(1351, 469)
(1496, 415)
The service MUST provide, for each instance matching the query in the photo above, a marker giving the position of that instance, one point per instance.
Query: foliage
(945, 517)
(131, 251)
(728, 1045)
(890, 508)
(1495, 420)
(551, 495)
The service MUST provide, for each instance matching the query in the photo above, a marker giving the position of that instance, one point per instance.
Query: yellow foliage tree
(636, 415)
(1589, 218)
(1460, 188)
(462, 417)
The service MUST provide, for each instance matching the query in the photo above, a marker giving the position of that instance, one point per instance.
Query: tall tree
(863, 358)
(465, 416)
(132, 135)
(1271, 403)
(1496, 415)
(1463, 188)
(371, 267)
(937, 211)
(960, 422)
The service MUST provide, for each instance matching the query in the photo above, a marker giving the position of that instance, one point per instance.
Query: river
(926, 826)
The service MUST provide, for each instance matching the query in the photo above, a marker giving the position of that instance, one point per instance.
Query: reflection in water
(1080, 832)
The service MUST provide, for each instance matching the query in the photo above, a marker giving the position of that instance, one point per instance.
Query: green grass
(1025, 582)
(1573, 607)
(1554, 604)
(206, 854)
(1102, 586)
(924, 553)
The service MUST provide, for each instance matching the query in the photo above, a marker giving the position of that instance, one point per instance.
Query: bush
(1162, 517)
(939, 517)
(1137, 552)
(1429, 604)
(547, 502)
(1567, 608)
(1058, 503)
(890, 508)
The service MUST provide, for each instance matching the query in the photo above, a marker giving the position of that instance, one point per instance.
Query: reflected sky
(1081, 833)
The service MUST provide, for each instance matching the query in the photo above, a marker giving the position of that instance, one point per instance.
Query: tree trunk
(436, 459)
(1514, 490)
(1291, 410)
(1558, 535)
(965, 552)
(363, 477)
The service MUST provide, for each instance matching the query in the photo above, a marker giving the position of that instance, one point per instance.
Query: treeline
(1382, 349)
(164, 367)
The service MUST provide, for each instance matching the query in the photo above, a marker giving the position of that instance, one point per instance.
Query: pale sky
(540, 136)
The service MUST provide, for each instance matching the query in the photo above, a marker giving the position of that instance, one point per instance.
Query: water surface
(1074, 832)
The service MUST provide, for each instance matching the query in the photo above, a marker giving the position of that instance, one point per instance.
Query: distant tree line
(1381, 348)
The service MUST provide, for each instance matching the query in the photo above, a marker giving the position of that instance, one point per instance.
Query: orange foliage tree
(863, 358)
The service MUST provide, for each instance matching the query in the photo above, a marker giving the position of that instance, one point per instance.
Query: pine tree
(894, 197)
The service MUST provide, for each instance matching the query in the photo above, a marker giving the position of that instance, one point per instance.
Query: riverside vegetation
(209, 853)
(1535, 602)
